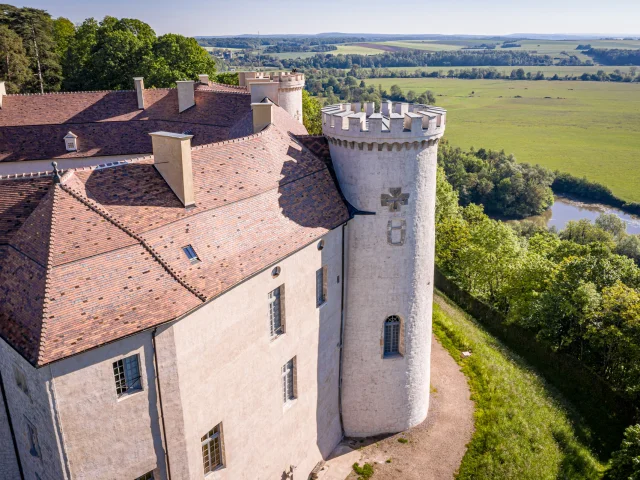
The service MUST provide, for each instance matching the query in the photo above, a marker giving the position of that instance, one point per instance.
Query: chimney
(71, 142)
(186, 94)
(172, 159)
(3, 92)
(261, 90)
(262, 115)
(204, 79)
(139, 83)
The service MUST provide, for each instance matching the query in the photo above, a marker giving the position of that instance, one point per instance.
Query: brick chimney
(139, 83)
(172, 159)
(3, 92)
(186, 95)
(262, 115)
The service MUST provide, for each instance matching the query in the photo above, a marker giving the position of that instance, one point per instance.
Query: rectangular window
(127, 374)
(191, 254)
(212, 454)
(21, 380)
(321, 286)
(289, 381)
(275, 312)
(146, 476)
(32, 438)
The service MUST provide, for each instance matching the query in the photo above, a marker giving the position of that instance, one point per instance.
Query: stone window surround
(285, 372)
(401, 341)
(322, 275)
(281, 300)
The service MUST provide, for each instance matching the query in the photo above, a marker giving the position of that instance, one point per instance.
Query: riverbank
(566, 209)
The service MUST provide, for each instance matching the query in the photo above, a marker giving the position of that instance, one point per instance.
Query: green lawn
(588, 129)
(524, 429)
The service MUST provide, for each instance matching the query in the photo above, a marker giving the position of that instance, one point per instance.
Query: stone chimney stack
(186, 95)
(262, 115)
(139, 83)
(3, 92)
(172, 159)
(204, 79)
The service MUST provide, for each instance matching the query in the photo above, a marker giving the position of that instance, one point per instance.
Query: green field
(355, 50)
(588, 129)
(549, 71)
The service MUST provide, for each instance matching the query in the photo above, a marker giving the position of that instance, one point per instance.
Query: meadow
(587, 129)
(549, 71)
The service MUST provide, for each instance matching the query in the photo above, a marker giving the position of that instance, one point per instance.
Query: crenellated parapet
(397, 125)
(286, 80)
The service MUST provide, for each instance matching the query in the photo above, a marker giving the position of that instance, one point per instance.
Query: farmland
(584, 128)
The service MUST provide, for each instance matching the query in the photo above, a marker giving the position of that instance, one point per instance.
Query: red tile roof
(109, 123)
(99, 256)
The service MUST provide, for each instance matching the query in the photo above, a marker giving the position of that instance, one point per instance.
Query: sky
(473, 17)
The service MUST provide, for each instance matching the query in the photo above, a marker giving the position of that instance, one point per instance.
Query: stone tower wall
(290, 87)
(386, 164)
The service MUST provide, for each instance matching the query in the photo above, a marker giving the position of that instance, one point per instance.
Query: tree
(35, 27)
(76, 62)
(179, 58)
(14, 64)
(63, 32)
(629, 246)
(610, 222)
(584, 232)
(311, 114)
(625, 464)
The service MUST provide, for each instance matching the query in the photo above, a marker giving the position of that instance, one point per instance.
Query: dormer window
(191, 254)
(71, 142)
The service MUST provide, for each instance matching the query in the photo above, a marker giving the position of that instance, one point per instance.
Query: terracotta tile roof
(110, 123)
(99, 256)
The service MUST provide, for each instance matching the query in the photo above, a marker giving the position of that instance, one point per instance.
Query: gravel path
(435, 448)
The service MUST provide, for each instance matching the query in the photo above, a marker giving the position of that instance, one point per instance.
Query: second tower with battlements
(385, 163)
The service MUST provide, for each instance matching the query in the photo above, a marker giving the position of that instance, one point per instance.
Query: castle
(197, 288)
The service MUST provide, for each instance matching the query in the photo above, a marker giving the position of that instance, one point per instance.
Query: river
(565, 209)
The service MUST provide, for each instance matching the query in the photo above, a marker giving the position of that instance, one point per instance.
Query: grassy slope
(591, 130)
(523, 430)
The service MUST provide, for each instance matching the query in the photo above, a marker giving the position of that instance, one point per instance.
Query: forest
(572, 289)
(42, 54)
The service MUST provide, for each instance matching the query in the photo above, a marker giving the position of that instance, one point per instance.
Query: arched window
(392, 336)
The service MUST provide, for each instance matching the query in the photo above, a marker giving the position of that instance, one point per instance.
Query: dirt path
(435, 448)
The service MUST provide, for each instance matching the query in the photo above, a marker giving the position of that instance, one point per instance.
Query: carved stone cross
(395, 200)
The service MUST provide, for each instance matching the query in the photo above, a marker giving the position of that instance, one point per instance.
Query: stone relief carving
(394, 199)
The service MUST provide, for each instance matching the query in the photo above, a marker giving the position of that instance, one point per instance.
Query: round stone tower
(386, 166)
(283, 88)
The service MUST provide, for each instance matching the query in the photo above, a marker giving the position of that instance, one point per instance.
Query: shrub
(625, 464)
(364, 472)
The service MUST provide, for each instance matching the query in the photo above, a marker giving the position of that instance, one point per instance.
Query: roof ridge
(235, 140)
(105, 214)
(65, 93)
(47, 275)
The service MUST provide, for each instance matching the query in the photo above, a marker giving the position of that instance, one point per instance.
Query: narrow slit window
(212, 455)
(127, 375)
(321, 286)
(191, 254)
(32, 436)
(275, 312)
(288, 381)
(392, 336)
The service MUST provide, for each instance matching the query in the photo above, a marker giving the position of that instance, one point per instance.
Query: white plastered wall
(229, 371)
